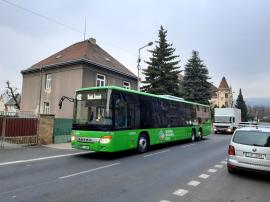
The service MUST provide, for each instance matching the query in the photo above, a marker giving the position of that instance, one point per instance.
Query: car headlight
(105, 139)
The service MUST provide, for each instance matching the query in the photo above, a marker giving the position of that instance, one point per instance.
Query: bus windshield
(93, 110)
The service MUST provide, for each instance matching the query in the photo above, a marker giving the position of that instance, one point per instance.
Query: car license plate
(254, 155)
(84, 147)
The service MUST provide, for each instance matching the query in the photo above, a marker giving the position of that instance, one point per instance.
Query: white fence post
(3, 132)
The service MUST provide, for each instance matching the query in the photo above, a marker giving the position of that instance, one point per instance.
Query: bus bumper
(97, 146)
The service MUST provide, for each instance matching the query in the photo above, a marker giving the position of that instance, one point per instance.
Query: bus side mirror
(63, 98)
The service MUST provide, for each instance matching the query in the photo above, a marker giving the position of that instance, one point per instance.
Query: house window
(100, 80)
(126, 84)
(46, 108)
(226, 95)
(48, 83)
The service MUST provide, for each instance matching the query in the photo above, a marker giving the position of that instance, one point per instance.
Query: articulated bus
(111, 119)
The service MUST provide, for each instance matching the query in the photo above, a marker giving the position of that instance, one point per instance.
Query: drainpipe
(40, 91)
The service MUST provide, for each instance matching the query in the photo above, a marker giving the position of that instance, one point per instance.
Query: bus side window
(131, 116)
(120, 111)
(137, 116)
(145, 112)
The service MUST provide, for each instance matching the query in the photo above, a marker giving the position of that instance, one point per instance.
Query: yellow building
(222, 96)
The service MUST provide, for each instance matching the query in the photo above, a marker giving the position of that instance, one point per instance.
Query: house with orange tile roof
(222, 96)
(83, 64)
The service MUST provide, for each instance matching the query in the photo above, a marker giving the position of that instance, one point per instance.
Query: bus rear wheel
(143, 143)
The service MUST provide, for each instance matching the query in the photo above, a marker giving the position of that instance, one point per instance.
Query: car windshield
(256, 138)
(93, 110)
(223, 119)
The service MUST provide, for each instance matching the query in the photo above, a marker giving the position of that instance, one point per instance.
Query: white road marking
(157, 153)
(88, 171)
(42, 158)
(194, 183)
(180, 192)
(188, 145)
(204, 176)
(212, 170)
(219, 166)
(223, 162)
(164, 201)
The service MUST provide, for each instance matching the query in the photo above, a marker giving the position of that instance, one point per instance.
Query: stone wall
(45, 129)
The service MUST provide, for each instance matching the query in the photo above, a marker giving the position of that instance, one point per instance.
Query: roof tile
(223, 84)
(86, 50)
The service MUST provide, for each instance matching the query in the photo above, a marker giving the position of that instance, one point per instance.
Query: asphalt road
(178, 172)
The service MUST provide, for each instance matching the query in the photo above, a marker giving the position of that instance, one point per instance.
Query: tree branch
(12, 94)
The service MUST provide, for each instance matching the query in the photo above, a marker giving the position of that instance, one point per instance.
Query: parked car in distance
(250, 149)
(248, 124)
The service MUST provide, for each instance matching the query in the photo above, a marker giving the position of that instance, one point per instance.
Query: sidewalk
(19, 152)
(59, 146)
(6, 145)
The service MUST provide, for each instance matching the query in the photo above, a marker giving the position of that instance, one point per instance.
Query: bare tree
(259, 112)
(11, 92)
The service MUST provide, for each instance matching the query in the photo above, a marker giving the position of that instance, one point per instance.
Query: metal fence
(18, 129)
(62, 130)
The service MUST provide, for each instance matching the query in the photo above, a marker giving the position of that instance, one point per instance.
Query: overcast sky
(232, 36)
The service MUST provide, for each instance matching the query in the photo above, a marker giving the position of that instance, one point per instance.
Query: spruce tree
(241, 104)
(196, 88)
(161, 75)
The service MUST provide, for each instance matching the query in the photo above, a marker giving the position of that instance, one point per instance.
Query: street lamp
(139, 60)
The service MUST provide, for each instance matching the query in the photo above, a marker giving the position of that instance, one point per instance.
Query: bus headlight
(105, 139)
(73, 137)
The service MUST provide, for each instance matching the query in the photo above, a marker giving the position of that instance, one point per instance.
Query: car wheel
(231, 170)
(143, 143)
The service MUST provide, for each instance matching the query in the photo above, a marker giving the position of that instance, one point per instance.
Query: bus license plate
(255, 155)
(84, 147)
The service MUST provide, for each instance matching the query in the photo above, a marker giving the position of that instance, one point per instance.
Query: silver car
(250, 149)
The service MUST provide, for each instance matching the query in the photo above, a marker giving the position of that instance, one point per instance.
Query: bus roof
(141, 93)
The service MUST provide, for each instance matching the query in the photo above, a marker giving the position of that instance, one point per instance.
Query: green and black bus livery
(110, 119)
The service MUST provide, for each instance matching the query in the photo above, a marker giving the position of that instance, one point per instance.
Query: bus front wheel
(143, 143)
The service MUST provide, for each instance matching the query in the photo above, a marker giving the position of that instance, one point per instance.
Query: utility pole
(139, 66)
(84, 28)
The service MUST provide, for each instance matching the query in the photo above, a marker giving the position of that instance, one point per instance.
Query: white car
(250, 149)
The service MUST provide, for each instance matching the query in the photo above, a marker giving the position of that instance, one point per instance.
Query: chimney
(92, 40)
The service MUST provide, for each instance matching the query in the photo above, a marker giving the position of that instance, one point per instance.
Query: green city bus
(111, 119)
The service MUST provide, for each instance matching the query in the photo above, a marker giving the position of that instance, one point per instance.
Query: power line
(42, 16)
(61, 24)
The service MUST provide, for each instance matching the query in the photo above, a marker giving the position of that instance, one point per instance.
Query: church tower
(224, 94)
(221, 96)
